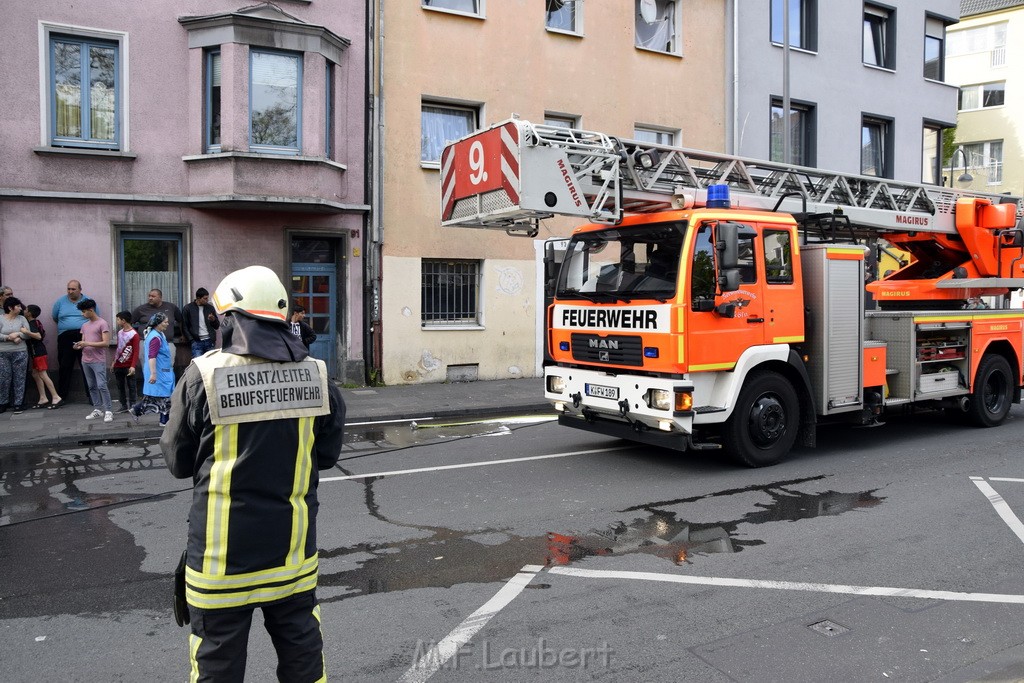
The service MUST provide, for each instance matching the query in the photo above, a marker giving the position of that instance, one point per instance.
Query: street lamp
(965, 177)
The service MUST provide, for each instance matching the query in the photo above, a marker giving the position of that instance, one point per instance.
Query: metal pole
(786, 151)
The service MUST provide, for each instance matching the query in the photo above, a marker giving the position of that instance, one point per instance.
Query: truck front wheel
(993, 391)
(763, 427)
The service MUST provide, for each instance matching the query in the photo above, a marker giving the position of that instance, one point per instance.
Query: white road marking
(430, 662)
(791, 586)
(1014, 479)
(1002, 509)
(485, 463)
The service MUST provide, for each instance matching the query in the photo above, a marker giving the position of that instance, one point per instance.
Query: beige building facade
(458, 303)
(985, 58)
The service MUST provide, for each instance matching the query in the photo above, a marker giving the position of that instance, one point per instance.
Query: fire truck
(718, 302)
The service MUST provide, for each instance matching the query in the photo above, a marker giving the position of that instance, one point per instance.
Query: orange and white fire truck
(720, 302)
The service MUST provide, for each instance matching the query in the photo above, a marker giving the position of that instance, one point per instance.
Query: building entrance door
(313, 286)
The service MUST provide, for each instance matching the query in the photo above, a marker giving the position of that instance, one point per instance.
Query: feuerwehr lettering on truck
(612, 318)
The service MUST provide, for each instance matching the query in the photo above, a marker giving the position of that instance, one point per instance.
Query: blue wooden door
(313, 286)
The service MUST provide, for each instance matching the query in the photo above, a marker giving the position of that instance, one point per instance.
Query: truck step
(709, 409)
(892, 371)
(896, 401)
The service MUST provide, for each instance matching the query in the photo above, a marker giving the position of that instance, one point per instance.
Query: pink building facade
(164, 144)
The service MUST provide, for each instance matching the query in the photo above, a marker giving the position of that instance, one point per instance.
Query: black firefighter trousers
(219, 641)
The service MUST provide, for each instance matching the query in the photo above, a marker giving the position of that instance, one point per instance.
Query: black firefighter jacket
(252, 424)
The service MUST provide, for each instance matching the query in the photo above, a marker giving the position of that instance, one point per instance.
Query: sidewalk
(68, 426)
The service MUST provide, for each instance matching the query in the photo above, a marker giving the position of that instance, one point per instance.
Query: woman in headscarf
(157, 371)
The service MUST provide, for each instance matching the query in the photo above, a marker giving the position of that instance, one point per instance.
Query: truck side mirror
(729, 280)
(728, 245)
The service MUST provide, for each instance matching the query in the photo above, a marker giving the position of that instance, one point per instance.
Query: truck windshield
(623, 263)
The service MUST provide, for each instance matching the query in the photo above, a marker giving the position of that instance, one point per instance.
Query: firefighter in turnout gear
(251, 424)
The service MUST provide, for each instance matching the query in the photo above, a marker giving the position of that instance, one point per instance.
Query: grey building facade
(865, 84)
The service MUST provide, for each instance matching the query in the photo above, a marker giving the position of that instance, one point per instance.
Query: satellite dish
(649, 11)
(555, 5)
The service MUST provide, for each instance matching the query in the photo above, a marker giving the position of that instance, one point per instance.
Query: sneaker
(18, 410)
(163, 420)
(94, 414)
(108, 416)
(122, 410)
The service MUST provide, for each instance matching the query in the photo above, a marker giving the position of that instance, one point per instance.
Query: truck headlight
(659, 399)
(556, 384)
(663, 399)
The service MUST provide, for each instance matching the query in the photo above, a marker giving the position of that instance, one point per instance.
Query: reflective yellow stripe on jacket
(213, 588)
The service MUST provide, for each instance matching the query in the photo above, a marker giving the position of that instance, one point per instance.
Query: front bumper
(623, 401)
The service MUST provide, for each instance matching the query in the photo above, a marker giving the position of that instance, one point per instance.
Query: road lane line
(880, 591)
(1002, 509)
(431, 661)
(1014, 479)
(484, 463)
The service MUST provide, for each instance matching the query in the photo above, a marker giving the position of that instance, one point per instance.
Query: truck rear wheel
(763, 427)
(993, 392)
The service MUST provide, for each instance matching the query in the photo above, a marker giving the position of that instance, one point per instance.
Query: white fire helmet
(255, 291)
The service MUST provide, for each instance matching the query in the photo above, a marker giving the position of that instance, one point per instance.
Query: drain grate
(828, 628)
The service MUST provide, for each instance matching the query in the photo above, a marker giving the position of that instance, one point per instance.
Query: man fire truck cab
(720, 302)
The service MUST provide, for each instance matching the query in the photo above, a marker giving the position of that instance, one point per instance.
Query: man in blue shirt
(69, 330)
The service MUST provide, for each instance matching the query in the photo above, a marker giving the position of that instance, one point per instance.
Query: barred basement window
(450, 293)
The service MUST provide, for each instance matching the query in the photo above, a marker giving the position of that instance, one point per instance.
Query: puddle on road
(42, 483)
(448, 557)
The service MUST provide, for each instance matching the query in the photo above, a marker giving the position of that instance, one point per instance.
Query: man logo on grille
(603, 356)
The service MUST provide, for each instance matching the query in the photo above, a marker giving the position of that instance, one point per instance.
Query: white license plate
(601, 391)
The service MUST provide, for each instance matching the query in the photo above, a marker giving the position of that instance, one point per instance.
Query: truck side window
(778, 257)
(702, 270)
(746, 262)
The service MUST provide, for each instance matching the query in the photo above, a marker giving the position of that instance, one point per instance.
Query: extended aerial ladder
(603, 178)
(550, 170)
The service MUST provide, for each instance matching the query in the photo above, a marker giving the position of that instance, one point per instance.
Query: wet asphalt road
(601, 536)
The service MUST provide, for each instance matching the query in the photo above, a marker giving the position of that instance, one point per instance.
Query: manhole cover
(828, 628)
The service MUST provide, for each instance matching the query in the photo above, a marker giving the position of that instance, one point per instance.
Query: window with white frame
(657, 26)
(657, 136)
(931, 146)
(803, 23)
(442, 123)
(450, 293)
(211, 99)
(934, 48)
(990, 38)
(801, 127)
(275, 102)
(85, 93)
(466, 6)
(563, 15)
(879, 36)
(982, 96)
(876, 147)
(983, 158)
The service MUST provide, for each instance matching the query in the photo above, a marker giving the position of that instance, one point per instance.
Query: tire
(764, 425)
(993, 392)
